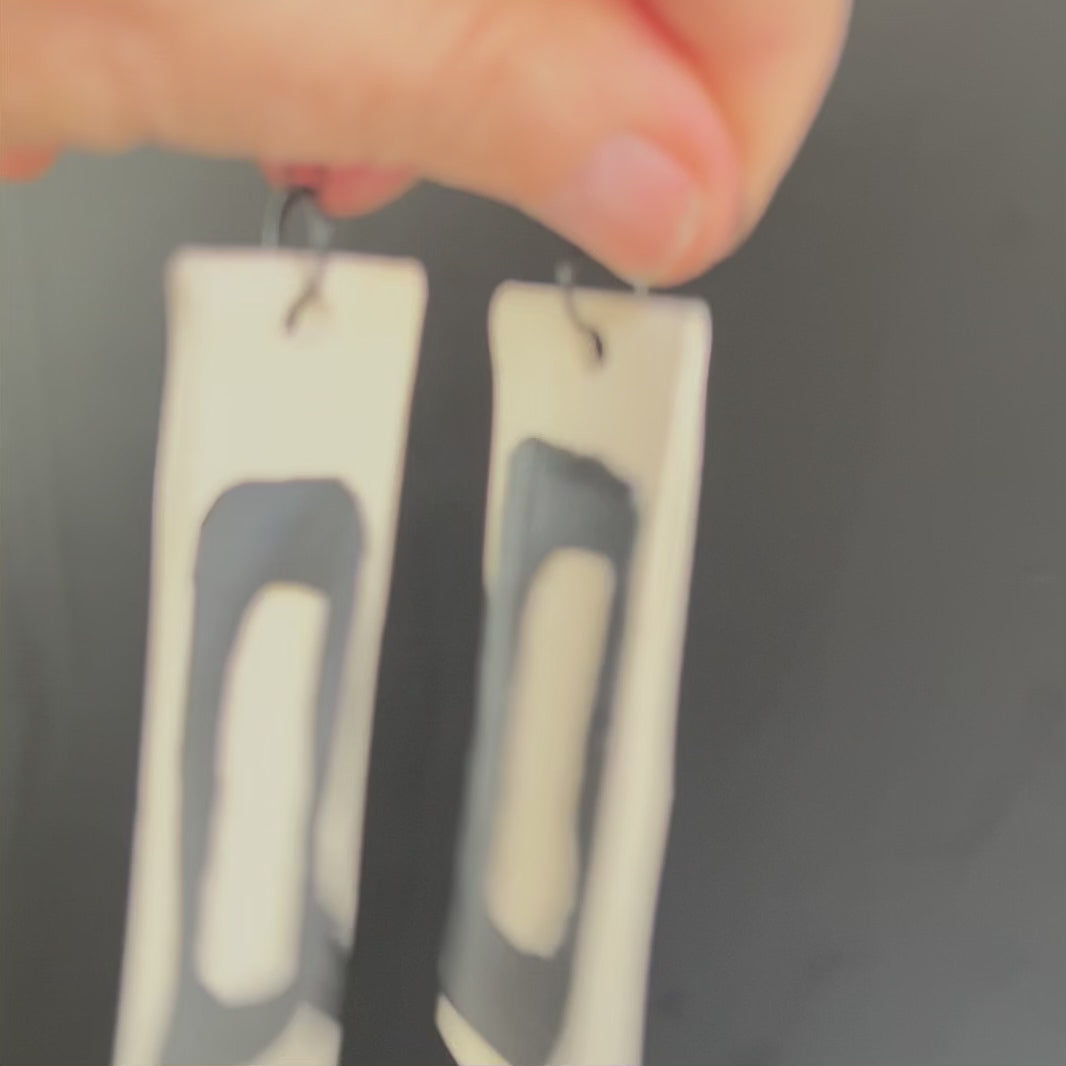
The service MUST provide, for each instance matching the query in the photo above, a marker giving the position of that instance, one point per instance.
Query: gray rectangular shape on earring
(306, 532)
(555, 499)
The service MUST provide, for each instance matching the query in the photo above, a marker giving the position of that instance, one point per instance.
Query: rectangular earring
(594, 483)
(279, 467)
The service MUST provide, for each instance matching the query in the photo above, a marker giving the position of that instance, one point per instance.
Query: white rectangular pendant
(593, 495)
(277, 488)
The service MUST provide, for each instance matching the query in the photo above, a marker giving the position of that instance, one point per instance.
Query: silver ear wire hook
(564, 278)
(319, 234)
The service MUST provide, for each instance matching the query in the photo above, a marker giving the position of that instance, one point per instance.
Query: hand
(650, 132)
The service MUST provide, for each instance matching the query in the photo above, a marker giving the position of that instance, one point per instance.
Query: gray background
(868, 857)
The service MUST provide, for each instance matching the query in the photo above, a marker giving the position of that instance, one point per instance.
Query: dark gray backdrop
(868, 857)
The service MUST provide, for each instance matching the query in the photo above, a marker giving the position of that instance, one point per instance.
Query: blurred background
(868, 857)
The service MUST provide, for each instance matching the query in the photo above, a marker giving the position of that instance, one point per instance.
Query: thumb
(579, 112)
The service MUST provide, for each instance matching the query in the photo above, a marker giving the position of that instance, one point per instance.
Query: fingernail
(630, 204)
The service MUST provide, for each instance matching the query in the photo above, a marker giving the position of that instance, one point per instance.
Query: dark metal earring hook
(564, 278)
(319, 235)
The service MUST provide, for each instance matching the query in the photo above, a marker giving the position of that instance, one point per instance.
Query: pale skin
(652, 133)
